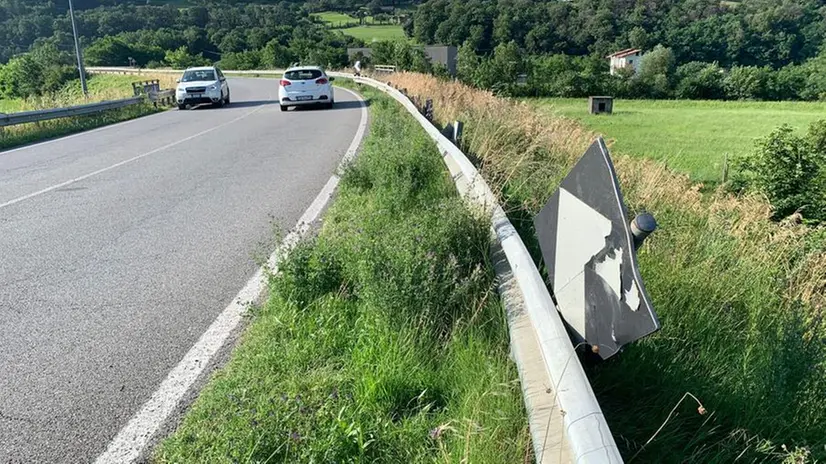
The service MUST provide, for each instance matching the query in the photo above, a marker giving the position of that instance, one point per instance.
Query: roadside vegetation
(740, 297)
(692, 137)
(101, 87)
(382, 339)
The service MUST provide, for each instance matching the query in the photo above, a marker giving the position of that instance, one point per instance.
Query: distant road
(119, 246)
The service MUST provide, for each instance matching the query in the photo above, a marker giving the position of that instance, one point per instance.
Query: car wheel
(226, 100)
(283, 108)
(182, 107)
(329, 106)
(219, 103)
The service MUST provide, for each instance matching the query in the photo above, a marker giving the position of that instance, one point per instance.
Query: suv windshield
(302, 74)
(199, 75)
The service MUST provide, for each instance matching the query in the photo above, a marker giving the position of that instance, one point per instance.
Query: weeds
(740, 298)
(382, 339)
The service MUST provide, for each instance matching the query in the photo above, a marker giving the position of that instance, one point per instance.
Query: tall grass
(382, 339)
(101, 88)
(741, 299)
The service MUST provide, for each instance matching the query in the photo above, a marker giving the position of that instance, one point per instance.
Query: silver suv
(202, 85)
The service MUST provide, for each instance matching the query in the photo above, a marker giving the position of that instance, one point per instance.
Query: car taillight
(321, 81)
(285, 82)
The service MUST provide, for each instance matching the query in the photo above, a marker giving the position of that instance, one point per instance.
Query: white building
(628, 58)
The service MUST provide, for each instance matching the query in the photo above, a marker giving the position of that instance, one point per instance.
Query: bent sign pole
(589, 247)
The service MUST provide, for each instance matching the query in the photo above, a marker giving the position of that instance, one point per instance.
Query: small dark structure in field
(599, 105)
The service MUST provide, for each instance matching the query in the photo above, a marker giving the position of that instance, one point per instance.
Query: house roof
(624, 53)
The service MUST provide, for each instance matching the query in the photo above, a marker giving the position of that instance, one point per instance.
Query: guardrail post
(641, 227)
(458, 126)
(428, 109)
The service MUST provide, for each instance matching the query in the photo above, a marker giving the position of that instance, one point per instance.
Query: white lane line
(109, 168)
(131, 441)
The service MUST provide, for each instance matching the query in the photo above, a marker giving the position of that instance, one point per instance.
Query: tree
(656, 72)
(788, 169)
(747, 82)
(108, 51)
(181, 59)
(696, 80)
(275, 55)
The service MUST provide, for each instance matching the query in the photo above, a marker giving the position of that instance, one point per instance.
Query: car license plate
(304, 97)
(196, 95)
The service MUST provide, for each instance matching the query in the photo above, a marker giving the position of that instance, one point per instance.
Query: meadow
(693, 137)
(368, 32)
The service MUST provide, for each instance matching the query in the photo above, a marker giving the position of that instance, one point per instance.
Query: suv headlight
(213, 87)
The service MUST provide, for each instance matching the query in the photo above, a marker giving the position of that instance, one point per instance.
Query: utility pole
(78, 53)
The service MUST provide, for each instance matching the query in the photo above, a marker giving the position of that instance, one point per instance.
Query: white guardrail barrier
(586, 437)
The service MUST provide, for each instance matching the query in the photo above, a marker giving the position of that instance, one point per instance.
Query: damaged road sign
(588, 247)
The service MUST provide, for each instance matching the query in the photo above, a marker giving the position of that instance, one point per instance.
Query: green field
(335, 17)
(376, 33)
(690, 136)
(367, 32)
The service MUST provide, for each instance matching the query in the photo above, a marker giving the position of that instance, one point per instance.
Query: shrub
(748, 83)
(696, 80)
(787, 169)
(44, 69)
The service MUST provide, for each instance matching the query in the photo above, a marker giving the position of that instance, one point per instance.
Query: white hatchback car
(202, 85)
(305, 85)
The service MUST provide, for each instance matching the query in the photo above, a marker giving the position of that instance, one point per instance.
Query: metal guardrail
(139, 71)
(56, 113)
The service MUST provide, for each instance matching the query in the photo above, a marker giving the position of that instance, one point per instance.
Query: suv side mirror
(178, 80)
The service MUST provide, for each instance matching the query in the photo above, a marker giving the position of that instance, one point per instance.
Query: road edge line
(130, 442)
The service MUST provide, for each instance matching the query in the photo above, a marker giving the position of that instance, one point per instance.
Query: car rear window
(302, 74)
(199, 75)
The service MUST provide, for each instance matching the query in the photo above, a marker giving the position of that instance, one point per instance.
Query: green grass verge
(382, 339)
(690, 136)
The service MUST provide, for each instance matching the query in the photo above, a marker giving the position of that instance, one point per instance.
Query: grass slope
(101, 87)
(382, 339)
(740, 298)
(690, 136)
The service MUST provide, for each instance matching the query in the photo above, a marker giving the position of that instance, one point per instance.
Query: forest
(699, 49)
(754, 49)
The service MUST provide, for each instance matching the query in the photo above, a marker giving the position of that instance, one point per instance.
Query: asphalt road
(109, 280)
